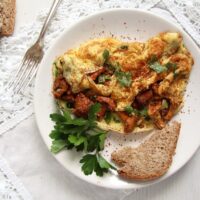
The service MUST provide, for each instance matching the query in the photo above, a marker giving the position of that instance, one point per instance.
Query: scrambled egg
(163, 61)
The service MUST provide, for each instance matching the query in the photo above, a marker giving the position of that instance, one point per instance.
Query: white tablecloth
(44, 178)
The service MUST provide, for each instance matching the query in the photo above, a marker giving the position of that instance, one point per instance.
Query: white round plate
(126, 24)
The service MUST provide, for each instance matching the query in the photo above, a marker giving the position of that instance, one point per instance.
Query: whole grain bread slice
(152, 158)
(7, 17)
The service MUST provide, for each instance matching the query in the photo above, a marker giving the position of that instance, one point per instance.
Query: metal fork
(32, 57)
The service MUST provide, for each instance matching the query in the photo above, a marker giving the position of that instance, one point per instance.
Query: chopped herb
(174, 46)
(152, 59)
(103, 78)
(157, 67)
(114, 67)
(143, 112)
(165, 104)
(124, 78)
(170, 65)
(62, 61)
(129, 110)
(108, 117)
(124, 47)
(83, 135)
(69, 105)
(106, 55)
(116, 118)
(94, 109)
(55, 70)
(175, 73)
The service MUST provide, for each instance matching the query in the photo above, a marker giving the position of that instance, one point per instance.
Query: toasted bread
(7, 17)
(152, 158)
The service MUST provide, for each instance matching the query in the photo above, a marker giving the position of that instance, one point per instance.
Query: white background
(46, 179)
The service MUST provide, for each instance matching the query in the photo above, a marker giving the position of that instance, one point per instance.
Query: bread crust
(152, 158)
(7, 17)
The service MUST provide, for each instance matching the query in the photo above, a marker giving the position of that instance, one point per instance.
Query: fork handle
(51, 13)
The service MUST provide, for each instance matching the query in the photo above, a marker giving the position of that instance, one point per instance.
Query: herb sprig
(83, 135)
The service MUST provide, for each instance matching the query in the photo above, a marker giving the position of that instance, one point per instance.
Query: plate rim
(129, 186)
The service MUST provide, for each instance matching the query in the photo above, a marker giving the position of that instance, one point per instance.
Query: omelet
(140, 85)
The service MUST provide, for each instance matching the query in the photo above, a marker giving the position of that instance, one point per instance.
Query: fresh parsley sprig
(83, 135)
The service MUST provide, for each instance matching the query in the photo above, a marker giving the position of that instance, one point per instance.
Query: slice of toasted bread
(152, 158)
(7, 17)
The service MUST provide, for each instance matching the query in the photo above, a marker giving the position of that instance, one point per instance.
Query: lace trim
(10, 186)
(187, 13)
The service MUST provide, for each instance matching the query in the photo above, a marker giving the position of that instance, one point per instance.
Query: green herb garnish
(153, 59)
(95, 163)
(175, 73)
(165, 104)
(83, 135)
(170, 65)
(106, 55)
(143, 112)
(108, 117)
(103, 78)
(55, 70)
(157, 67)
(124, 78)
(129, 110)
(116, 118)
(124, 47)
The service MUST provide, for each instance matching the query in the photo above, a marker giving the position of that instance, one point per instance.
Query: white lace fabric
(10, 186)
(15, 108)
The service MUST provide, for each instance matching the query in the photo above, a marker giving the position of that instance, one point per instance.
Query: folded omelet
(140, 86)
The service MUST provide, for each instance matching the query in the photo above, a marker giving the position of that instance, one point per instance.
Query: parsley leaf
(103, 163)
(108, 117)
(102, 138)
(89, 163)
(116, 118)
(165, 104)
(76, 140)
(129, 109)
(106, 55)
(96, 163)
(94, 109)
(57, 117)
(170, 65)
(103, 78)
(152, 59)
(96, 142)
(143, 112)
(57, 145)
(157, 67)
(124, 78)
(124, 47)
